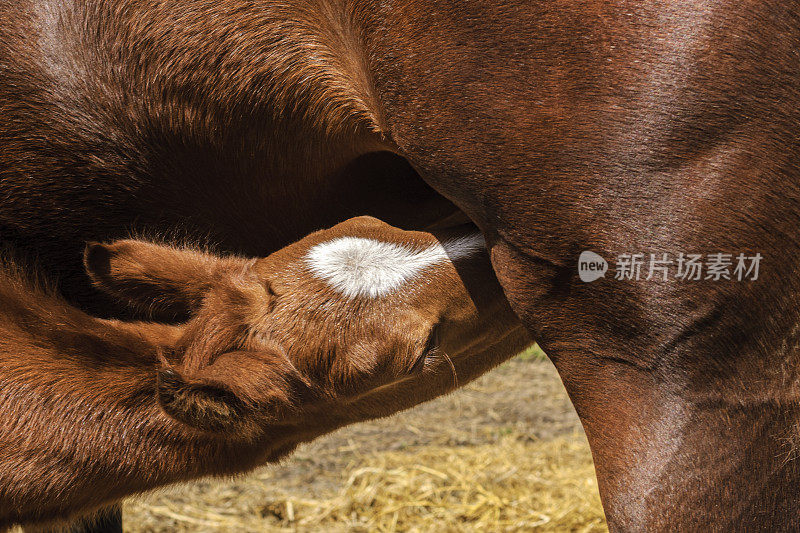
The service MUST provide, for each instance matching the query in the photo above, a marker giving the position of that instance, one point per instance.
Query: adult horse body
(558, 127)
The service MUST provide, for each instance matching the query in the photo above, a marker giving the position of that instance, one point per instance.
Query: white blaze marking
(356, 266)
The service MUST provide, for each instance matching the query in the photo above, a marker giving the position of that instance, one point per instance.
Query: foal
(348, 324)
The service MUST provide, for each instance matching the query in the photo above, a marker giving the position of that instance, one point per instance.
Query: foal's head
(353, 320)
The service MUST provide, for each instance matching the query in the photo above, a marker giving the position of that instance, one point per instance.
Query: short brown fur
(96, 410)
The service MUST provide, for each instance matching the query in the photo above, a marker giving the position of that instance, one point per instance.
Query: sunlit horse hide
(280, 350)
(557, 127)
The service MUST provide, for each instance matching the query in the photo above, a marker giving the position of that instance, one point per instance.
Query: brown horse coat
(558, 127)
(95, 410)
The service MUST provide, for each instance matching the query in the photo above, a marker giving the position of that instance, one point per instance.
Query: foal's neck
(81, 426)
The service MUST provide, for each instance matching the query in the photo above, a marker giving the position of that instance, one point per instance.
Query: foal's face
(364, 304)
(356, 313)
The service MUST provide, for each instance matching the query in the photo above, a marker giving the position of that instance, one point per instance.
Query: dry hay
(514, 484)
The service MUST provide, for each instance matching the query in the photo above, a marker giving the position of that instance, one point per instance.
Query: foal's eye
(433, 341)
(431, 345)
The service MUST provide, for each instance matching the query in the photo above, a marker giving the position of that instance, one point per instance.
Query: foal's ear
(239, 393)
(154, 277)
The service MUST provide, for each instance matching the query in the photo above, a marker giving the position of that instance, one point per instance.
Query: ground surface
(505, 453)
